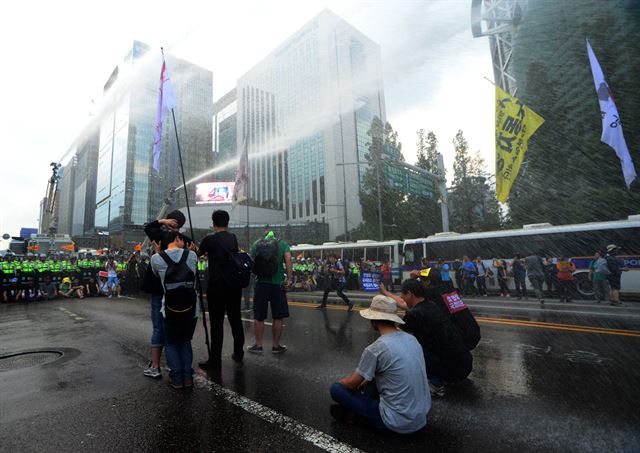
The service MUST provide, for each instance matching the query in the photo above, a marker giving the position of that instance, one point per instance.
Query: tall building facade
(304, 112)
(84, 186)
(129, 192)
(225, 130)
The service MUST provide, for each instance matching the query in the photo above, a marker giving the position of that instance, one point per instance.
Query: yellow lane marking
(523, 323)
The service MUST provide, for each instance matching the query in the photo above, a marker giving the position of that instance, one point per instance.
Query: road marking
(521, 323)
(298, 429)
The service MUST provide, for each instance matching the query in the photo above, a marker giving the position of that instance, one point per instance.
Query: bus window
(413, 254)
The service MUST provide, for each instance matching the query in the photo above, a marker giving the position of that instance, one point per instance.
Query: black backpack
(266, 263)
(179, 289)
(237, 274)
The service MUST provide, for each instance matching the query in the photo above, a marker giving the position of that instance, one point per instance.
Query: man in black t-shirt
(446, 357)
(221, 297)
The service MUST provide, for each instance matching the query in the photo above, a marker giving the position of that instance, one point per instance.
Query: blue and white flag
(166, 101)
(611, 125)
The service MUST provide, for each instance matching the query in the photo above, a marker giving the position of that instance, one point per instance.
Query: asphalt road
(559, 379)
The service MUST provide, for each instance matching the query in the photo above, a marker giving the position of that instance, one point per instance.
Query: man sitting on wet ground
(446, 356)
(389, 387)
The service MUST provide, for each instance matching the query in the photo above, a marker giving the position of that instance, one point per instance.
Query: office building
(129, 192)
(304, 111)
(225, 127)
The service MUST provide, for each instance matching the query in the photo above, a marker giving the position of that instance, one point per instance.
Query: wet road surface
(560, 379)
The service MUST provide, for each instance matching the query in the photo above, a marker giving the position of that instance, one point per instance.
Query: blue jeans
(157, 335)
(364, 404)
(179, 358)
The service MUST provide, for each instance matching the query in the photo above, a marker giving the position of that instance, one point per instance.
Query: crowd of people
(391, 388)
(63, 275)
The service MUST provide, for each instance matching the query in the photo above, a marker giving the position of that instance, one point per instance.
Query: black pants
(482, 285)
(521, 285)
(223, 300)
(504, 289)
(565, 289)
(337, 287)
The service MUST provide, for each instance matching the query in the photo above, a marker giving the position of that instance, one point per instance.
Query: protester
(336, 279)
(385, 269)
(483, 274)
(65, 289)
(397, 399)
(565, 278)
(551, 275)
(272, 261)
(11, 292)
(534, 266)
(113, 282)
(446, 277)
(615, 273)
(598, 273)
(176, 268)
(519, 277)
(223, 294)
(469, 276)
(446, 355)
(503, 276)
(92, 289)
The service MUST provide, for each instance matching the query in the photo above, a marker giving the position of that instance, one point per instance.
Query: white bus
(578, 242)
(353, 251)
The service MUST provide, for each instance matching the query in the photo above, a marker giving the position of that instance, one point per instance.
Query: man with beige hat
(398, 399)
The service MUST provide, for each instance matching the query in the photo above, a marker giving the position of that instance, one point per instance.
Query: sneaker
(151, 372)
(255, 349)
(237, 358)
(278, 349)
(507, 295)
(436, 390)
(188, 383)
(173, 384)
(350, 306)
(110, 296)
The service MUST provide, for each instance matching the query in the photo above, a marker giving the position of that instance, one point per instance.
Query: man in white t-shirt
(389, 387)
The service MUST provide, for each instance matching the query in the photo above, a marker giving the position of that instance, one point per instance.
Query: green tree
(472, 204)
(427, 208)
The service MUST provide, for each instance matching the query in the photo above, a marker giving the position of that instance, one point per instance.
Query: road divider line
(298, 429)
(520, 323)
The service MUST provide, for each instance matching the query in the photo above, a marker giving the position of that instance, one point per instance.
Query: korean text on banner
(515, 123)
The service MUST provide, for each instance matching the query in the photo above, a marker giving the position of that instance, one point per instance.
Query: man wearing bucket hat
(615, 274)
(398, 399)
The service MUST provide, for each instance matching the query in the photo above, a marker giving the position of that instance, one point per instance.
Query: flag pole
(186, 199)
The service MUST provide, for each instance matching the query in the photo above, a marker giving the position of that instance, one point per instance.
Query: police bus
(363, 250)
(578, 241)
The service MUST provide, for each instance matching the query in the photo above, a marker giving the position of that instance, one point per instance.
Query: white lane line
(300, 430)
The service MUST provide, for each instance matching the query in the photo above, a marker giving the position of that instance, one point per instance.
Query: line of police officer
(23, 270)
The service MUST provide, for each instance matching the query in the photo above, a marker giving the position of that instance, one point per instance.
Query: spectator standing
(598, 273)
(519, 277)
(481, 279)
(615, 273)
(551, 275)
(272, 261)
(470, 274)
(565, 278)
(223, 297)
(535, 272)
(502, 276)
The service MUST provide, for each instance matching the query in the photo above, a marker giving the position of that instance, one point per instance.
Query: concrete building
(304, 111)
(129, 192)
(225, 130)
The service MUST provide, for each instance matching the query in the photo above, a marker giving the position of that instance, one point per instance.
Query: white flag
(611, 124)
(166, 101)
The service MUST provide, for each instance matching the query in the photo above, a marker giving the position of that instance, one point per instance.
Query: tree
(426, 208)
(427, 146)
(473, 206)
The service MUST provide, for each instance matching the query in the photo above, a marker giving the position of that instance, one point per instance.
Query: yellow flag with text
(515, 123)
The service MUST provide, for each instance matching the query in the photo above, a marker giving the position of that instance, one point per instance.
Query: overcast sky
(58, 55)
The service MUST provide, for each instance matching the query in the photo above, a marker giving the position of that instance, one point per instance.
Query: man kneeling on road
(447, 358)
(398, 399)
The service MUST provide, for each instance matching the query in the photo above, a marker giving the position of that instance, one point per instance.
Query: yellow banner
(515, 123)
